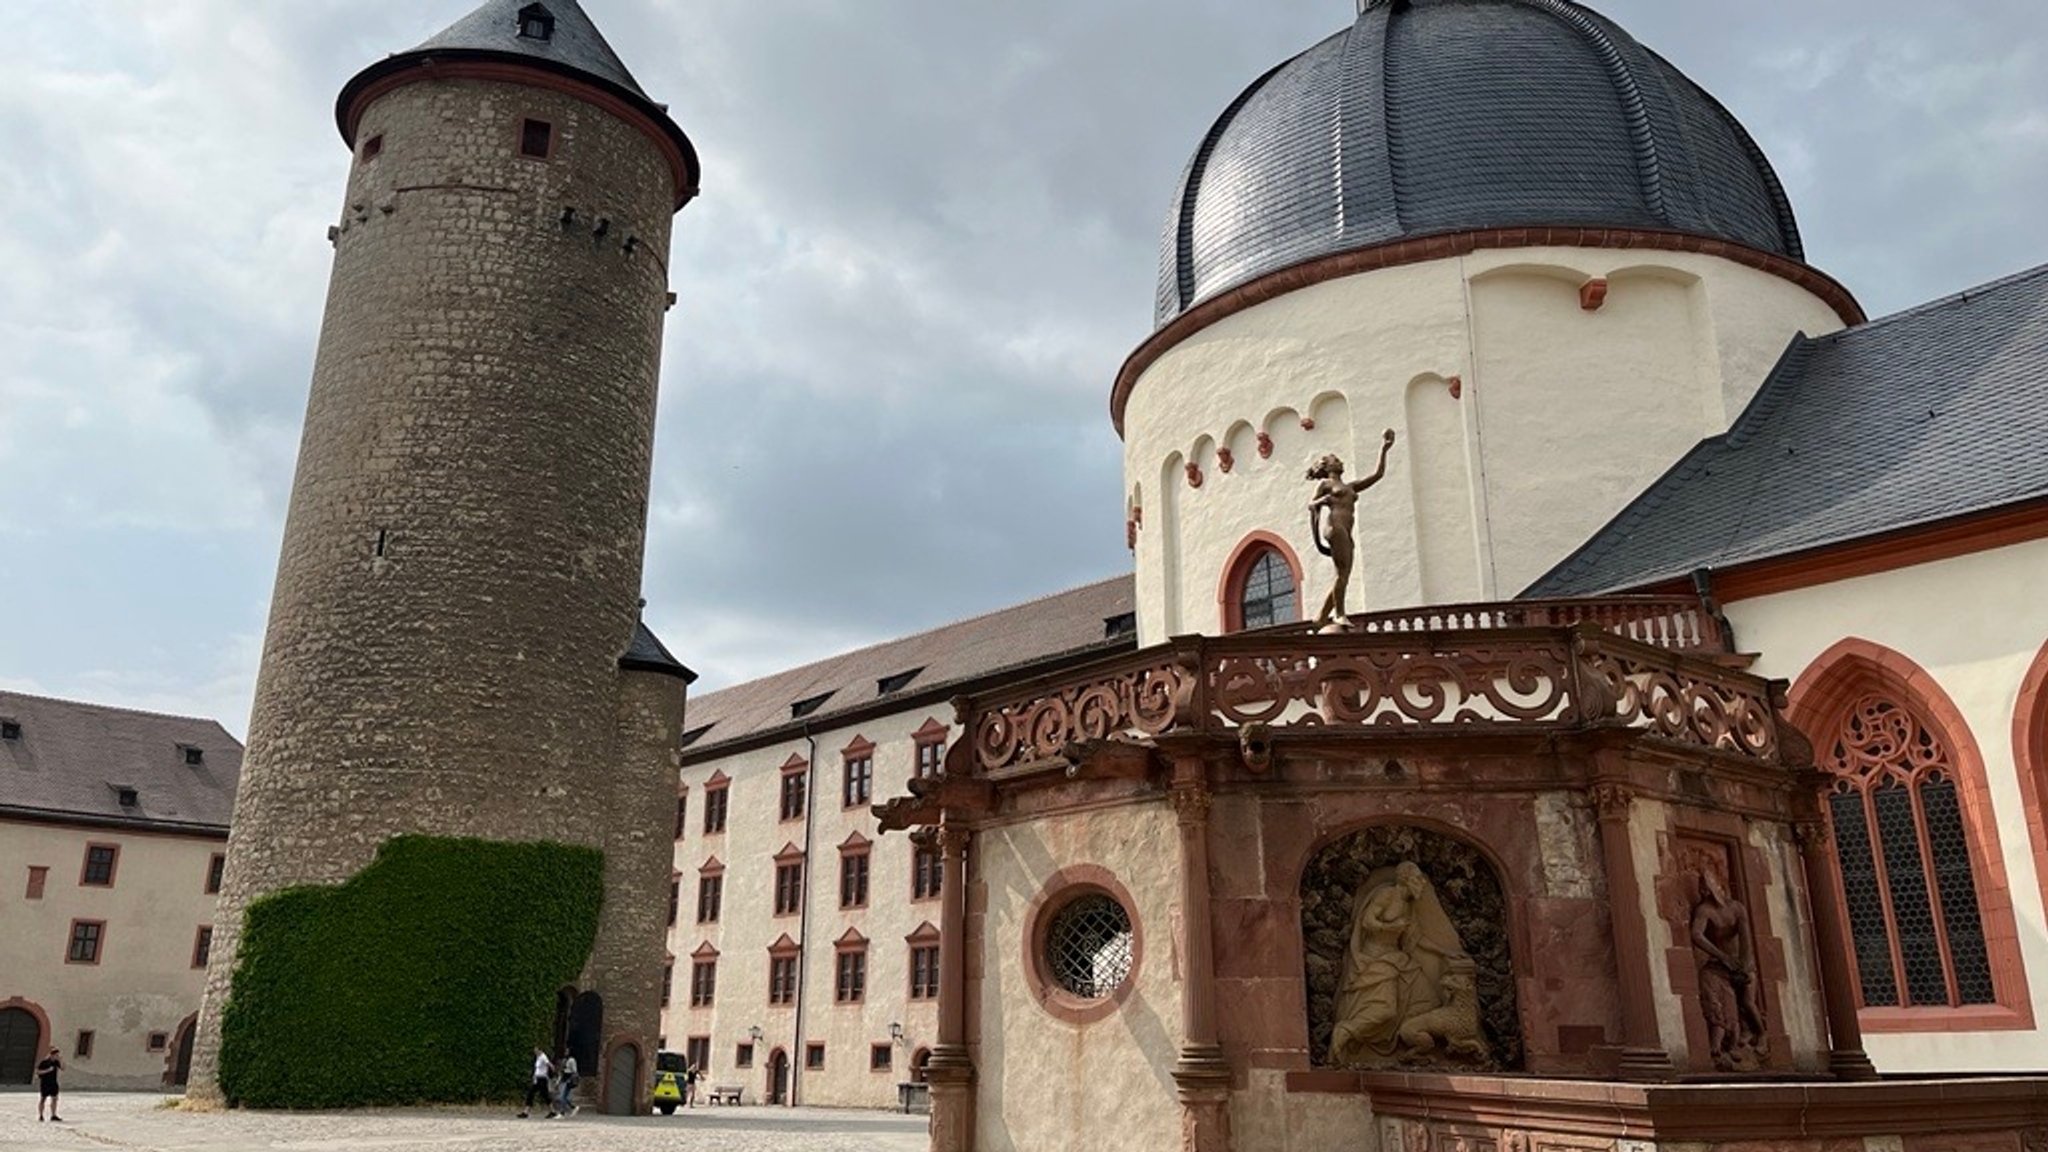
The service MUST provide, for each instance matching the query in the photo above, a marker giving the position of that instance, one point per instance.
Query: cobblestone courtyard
(136, 1121)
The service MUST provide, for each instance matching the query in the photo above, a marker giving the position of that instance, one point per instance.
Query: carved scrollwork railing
(1553, 678)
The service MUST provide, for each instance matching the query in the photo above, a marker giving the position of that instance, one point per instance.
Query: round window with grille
(1088, 947)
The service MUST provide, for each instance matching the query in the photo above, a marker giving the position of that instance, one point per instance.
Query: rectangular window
(789, 888)
(668, 980)
(814, 1056)
(792, 795)
(703, 983)
(536, 139)
(714, 811)
(158, 1041)
(86, 938)
(38, 875)
(675, 901)
(930, 755)
(924, 972)
(880, 1057)
(852, 985)
(682, 814)
(698, 1049)
(215, 869)
(853, 880)
(83, 1048)
(782, 980)
(710, 890)
(100, 860)
(743, 1056)
(860, 781)
(925, 872)
(202, 946)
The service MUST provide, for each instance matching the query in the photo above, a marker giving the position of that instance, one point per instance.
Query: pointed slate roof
(648, 654)
(576, 42)
(491, 34)
(1937, 412)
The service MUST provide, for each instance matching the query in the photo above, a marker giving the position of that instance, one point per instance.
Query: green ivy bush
(426, 978)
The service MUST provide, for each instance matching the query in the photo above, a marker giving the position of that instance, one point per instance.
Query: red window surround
(715, 792)
(1908, 778)
(782, 961)
(101, 862)
(216, 868)
(703, 976)
(924, 962)
(850, 968)
(1238, 573)
(858, 782)
(202, 946)
(789, 880)
(87, 942)
(793, 785)
(854, 857)
(2030, 758)
(927, 871)
(931, 748)
(710, 891)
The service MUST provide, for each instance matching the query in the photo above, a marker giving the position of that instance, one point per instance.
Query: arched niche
(1350, 975)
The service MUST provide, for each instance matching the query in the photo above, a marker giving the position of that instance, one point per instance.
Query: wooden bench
(728, 1094)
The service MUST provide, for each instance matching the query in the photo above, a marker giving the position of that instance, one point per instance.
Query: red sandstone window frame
(929, 743)
(789, 881)
(1059, 890)
(850, 969)
(98, 940)
(1237, 572)
(704, 976)
(81, 1048)
(38, 879)
(697, 1050)
(113, 864)
(921, 965)
(1819, 700)
(857, 774)
(855, 868)
(716, 804)
(202, 946)
(524, 142)
(814, 1056)
(710, 891)
(157, 1042)
(2030, 761)
(216, 871)
(783, 956)
(793, 788)
(927, 873)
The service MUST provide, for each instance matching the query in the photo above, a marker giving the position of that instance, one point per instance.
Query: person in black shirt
(46, 1076)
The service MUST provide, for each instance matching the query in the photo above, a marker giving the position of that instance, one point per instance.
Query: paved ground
(97, 1121)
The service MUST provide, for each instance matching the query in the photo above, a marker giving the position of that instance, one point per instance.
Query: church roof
(930, 666)
(70, 761)
(1921, 417)
(1434, 117)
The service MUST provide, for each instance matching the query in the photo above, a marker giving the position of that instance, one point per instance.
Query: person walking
(46, 1080)
(542, 1066)
(690, 1075)
(569, 1079)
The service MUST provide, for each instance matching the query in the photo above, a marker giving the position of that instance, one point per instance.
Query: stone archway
(778, 1077)
(1452, 962)
(24, 1033)
(178, 1065)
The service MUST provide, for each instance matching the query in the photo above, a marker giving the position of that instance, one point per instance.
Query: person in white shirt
(542, 1066)
(567, 1106)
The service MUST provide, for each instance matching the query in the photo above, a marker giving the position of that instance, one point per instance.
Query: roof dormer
(536, 23)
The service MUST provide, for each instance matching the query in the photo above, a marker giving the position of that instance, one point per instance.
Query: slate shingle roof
(1429, 117)
(648, 654)
(1072, 623)
(1933, 413)
(71, 759)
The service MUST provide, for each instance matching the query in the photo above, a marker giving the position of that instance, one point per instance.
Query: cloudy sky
(925, 244)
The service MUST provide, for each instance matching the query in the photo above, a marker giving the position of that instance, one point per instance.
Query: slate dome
(1433, 117)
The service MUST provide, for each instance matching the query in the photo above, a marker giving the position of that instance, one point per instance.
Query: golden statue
(1341, 544)
(1408, 987)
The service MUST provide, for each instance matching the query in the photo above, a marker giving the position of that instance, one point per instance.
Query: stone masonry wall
(463, 550)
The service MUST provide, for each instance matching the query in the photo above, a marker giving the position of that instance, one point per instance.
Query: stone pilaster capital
(952, 840)
(1812, 833)
(1191, 804)
(1611, 799)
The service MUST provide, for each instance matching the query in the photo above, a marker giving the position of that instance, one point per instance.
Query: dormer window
(10, 729)
(536, 23)
(803, 708)
(889, 685)
(193, 756)
(128, 797)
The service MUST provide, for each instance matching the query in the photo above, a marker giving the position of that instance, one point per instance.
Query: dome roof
(1431, 117)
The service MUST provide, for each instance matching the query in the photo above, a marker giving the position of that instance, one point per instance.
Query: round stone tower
(453, 645)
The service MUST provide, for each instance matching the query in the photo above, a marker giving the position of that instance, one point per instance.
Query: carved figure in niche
(1463, 916)
(1731, 994)
(1401, 985)
(1341, 501)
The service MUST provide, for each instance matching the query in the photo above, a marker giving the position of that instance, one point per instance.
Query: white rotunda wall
(1526, 419)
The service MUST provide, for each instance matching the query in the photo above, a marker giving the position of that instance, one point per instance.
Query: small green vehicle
(668, 1082)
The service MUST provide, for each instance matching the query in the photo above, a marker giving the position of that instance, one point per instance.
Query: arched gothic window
(1904, 854)
(1262, 587)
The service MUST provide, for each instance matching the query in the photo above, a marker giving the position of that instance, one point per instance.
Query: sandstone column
(1201, 1074)
(1846, 1058)
(950, 1070)
(1643, 1055)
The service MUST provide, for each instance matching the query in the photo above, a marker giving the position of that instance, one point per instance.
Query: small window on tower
(536, 23)
(373, 147)
(536, 139)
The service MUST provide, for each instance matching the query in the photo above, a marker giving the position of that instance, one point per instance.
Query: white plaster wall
(747, 924)
(144, 982)
(1049, 1086)
(1564, 415)
(1975, 623)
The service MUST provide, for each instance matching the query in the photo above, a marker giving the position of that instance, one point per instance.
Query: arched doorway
(778, 1077)
(585, 1036)
(179, 1071)
(918, 1060)
(622, 1077)
(21, 1035)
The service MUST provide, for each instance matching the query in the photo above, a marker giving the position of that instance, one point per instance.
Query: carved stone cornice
(1813, 833)
(1611, 799)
